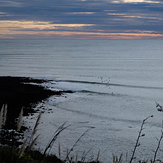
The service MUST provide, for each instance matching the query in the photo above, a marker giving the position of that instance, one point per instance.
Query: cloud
(88, 16)
(10, 4)
(81, 13)
(4, 14)
(37, 25)
(135, 1)
(137, 16)
(80, 35)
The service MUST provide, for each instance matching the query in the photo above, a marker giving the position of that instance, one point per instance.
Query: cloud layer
(81, 19)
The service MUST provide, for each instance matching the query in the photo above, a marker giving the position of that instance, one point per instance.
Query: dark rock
(17, 92)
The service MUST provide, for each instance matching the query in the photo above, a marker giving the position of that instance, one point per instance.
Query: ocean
(116, 85)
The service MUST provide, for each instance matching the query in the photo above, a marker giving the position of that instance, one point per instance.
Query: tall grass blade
(76, 158)
(76, 143)
(59, 150)
(54, 137)
(158, 147)
(22, 149)
(19, 122)
(34, 129)
(36, 124)
(33, 143)
(5, 115)
(1, 116)
(85, 154)
(116, 159)
(98, 155)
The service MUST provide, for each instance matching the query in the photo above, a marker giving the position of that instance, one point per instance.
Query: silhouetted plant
(54, 137)
(3, 115)
(137, 140)
(69, 151)
(117, 159)
(159, 108)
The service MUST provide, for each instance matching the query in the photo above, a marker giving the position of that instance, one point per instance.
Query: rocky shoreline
(18, 92)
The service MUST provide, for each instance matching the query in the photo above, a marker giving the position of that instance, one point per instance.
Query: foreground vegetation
(9, 155)
(12, 150)
(6, 156)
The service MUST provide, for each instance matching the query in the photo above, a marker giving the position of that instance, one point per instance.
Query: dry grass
(19, 122)
(3, 115)
(28, 144)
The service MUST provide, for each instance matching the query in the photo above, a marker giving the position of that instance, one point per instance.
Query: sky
(81, 19)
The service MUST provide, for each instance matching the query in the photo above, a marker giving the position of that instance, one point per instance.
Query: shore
(18, 92)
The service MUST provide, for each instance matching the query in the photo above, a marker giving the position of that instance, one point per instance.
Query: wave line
(110, 84)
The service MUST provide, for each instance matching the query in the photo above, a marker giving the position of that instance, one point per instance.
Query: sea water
(116, 85)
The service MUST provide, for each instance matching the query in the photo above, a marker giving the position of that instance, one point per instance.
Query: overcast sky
(81, 19)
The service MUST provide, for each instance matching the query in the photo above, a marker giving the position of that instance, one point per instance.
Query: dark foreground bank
(18, 92)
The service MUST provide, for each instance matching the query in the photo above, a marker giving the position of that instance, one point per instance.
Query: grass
(14, 151)
(30, 157)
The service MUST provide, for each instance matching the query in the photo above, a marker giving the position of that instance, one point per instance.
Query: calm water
(117, 83)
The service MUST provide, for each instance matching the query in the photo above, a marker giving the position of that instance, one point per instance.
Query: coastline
(18, 92)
